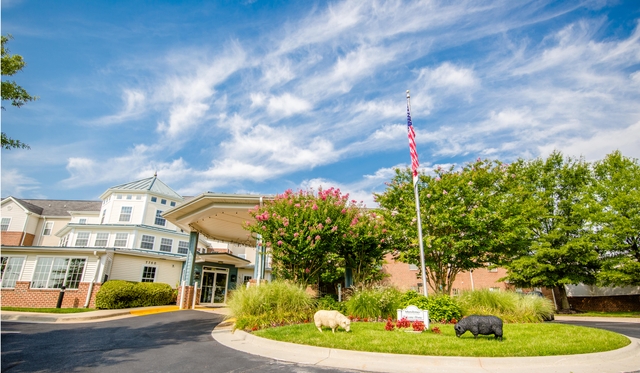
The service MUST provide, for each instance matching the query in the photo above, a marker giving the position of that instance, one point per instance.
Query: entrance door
(206, 293)
(220, 293)
(214, 286)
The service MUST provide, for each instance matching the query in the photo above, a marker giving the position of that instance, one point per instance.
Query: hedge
(115, 294)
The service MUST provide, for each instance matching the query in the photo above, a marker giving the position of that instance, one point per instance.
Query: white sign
(413, 313)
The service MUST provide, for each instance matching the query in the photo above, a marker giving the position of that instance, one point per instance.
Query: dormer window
(154, 199)
(83, 221)
(173, 204)
(119, 196)
(125, 213)
(163, 201)
(159, 219)
(129, 196)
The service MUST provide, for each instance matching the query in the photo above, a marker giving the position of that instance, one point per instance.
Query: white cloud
(287, 105)
(599, 143)
(134, 107)
(16, 184)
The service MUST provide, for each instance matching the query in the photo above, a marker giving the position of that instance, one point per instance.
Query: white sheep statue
(331, 319)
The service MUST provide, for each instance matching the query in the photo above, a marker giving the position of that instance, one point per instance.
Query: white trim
(84, 270)
(24, 261)
(155, 273)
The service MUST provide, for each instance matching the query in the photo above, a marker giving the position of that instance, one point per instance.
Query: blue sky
(262, 96)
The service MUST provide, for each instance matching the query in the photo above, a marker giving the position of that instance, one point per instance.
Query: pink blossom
(268, 244)
(335, 228)
(328, 221)
(295, 234)
(297, 205)
(438, 178)
(315, 207)
(470, 183)
(343, 211)
(307, 270)
(320, 226)
(279, 243)
(384, 230)
(445, 192)
(264, 227)
(382, 240)
(354, 221)
(429, 195)
(394, 212)
(318, 238)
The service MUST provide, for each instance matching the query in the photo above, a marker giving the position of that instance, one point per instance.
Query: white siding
(32, 258)
(129, 268)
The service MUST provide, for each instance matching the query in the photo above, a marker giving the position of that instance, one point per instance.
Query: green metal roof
(151, 184)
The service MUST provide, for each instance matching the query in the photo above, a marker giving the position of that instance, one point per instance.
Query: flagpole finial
(408, 94)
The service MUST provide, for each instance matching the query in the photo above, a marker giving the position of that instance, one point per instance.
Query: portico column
(186, 293)
(188, 272)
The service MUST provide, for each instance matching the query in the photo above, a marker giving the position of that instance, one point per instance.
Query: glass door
(206, 294)
(220, 293)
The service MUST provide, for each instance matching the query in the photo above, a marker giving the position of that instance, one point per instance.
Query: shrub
(330, 303)
(270, 304)
(389, 326)
(418, 326)
(403, 323)
(373, 302)
(510, 306)
(116, 294)
(442, 308)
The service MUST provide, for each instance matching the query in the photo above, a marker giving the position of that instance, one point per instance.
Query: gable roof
(151, 184)
(58, 207)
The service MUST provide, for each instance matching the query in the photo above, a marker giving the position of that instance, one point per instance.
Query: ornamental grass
(510, 306)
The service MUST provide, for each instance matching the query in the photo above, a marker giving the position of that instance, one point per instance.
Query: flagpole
(419, 221)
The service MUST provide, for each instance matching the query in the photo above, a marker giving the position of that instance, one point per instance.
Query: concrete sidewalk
(626, 359)
(91, 316)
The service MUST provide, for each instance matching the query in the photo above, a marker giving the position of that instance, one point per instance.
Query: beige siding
(32, 224)
(16, 213)
(129, 268)
(52, 239)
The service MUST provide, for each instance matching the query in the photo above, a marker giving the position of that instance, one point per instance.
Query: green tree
(470, 218)
(316, 235)
(616, 201)
(562, 251)
(11, 64)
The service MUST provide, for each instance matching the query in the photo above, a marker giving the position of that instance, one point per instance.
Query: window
(5, 224)
(53, 273)
(125, 213)
(183, 247)
(64, 241)
(83, 221)
(173, 204)
(413, 267)
(159, 219)
(101, 240)
(82, 239)
(48, 227)
(119, 196)
(246, 278)
(166, 244)
(494, 289)
(147, 242)
(104, 212)
(163, 201)
(129, 196)
(456, 291)
(138, 197)
(121, 240)
(154, 199)
(490, 269)
(148, 274)
(10, 272)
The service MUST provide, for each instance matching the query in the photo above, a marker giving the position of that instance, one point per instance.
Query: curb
(102, 315)
(626, 359)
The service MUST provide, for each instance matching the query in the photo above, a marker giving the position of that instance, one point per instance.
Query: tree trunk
(564, 301)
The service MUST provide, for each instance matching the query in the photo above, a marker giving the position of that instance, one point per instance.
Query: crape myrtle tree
(471, 218)
(562, 251)
(11, 91)
(314, 234)
(616, 217)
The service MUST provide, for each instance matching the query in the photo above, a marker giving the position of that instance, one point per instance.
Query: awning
(222, 258)
(217, 216)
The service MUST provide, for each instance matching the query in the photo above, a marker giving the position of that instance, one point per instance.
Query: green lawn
(541, 339)
(48, 310)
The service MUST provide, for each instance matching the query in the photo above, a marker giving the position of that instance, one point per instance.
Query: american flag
(412, 142)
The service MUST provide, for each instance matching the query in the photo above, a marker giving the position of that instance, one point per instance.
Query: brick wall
(15, 238)
(23, 296)
(405, 278)
(187, 300)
